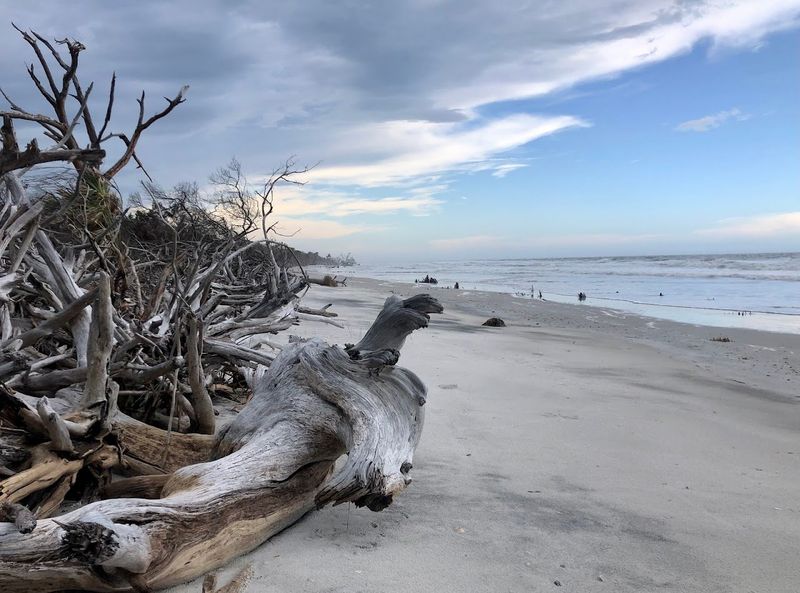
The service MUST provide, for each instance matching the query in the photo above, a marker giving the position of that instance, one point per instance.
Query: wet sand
(578, 445)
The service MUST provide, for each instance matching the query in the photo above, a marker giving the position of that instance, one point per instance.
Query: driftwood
(151, 429)
(271, 465)
(328, 280)
(322, 311)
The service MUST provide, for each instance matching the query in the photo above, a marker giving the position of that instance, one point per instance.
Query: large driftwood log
(272, 464)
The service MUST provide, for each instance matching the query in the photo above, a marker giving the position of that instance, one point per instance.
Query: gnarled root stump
(273, 463)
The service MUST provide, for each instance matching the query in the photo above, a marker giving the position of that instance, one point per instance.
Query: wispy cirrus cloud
(506, 168)
(709, 122)
(323, 213)
(312, 229)
(309, 200)
(608, 38)
(427, 148)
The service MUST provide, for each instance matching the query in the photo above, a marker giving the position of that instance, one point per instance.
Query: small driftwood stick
(322, 311)
(306, 317)
(47, 469)
(55, 497)
(54, 380)
(55, 426)
(203, 408)
(149, 373)
(101, 340)
(237, 352)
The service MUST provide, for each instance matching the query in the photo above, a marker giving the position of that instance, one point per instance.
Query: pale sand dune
(570, 446)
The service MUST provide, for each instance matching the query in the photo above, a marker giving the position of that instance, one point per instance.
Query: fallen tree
(151, 428)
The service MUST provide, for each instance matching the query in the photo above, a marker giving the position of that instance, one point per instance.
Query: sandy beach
(577, 449)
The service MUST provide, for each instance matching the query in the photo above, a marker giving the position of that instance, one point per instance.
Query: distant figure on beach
(540, 294)
(456, 286)
(581, 296)
(660, 294)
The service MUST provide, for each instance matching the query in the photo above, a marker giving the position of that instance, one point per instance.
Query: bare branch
(141, 126)
(60, 127)
(32, 42)
(110, 106)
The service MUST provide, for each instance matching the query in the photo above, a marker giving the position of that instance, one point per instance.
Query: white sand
(570, 446)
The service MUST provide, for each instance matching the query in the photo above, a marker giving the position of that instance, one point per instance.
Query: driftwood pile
(151, 428)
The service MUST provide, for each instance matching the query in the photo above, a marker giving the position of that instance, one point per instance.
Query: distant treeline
(313, 258)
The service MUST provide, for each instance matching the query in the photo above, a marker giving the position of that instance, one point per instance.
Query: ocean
(758, 291)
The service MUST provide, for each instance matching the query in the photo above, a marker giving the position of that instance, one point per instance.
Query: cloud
(506, 168)
(755, 227)
(585, 41)
(709, 122)
(309, 229)
(394, 100)
(424, 148)
(348, 87)
(309, 214)
(308, 200)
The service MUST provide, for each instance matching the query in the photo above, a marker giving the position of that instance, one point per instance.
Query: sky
(460, 129)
